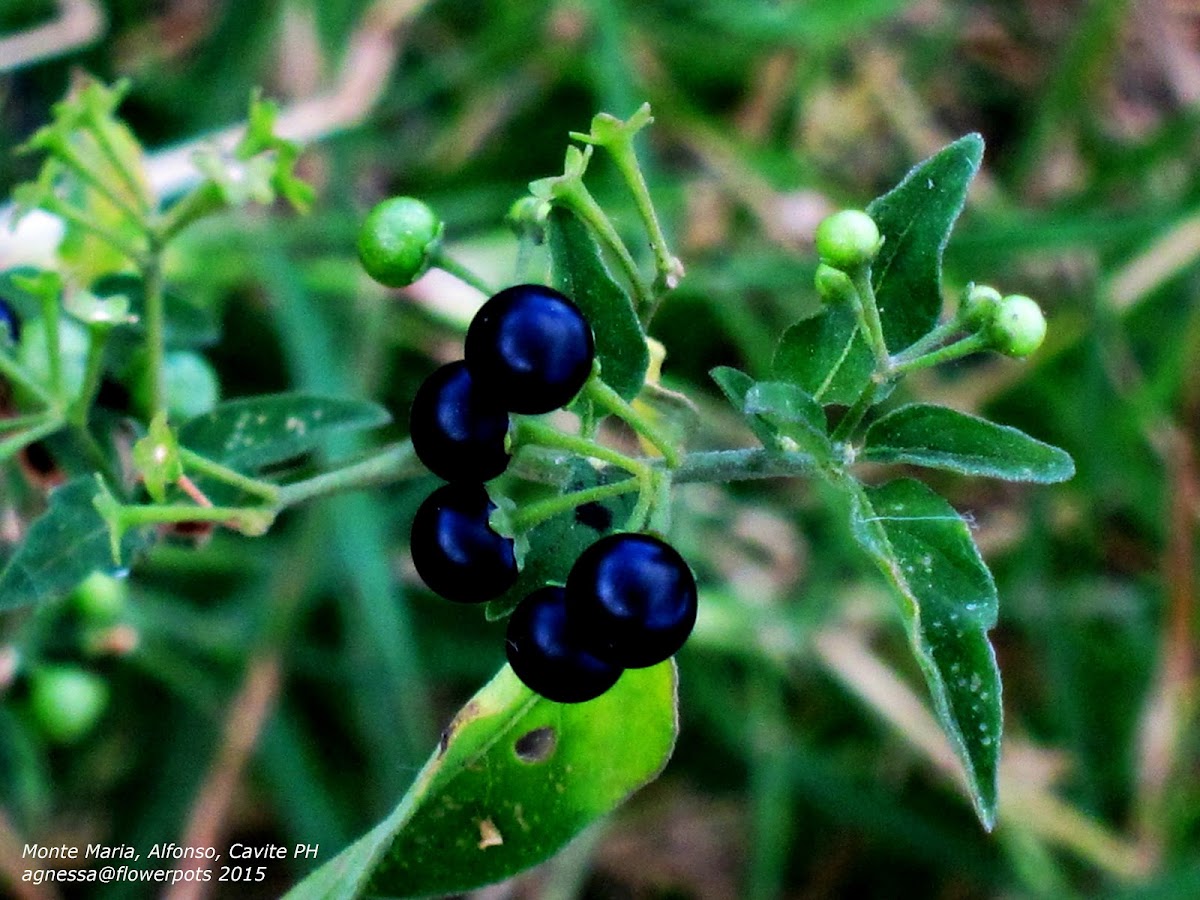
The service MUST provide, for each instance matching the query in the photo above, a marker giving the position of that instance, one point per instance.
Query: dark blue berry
(455, 550)
(457, 431)
(543, 653)
(632, 599)
(9, 323)
(531, 348)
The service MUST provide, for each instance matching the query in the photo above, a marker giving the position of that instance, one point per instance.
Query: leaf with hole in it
(942, 438)
(948, 602)
(580, 273)
(826, 355)
(64, 545)
(915, 219)
(555, 544)
(514, 778)
(259, 431)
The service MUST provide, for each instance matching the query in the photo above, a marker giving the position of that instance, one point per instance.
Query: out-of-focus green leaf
(187, 325)
(580, 273)
(826, 355)
(948, 602)
(64, 545)
(514, 778)
(915, 219)
(943, 438)
(258, 431)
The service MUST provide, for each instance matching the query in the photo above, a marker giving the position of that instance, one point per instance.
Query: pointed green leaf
(736, 385)
(64, 545)
(948, 601)
(915, 219)
(791, 412)
(258, 431)
(941, 438)
(580, 273)
(514, 778)
(826, 355)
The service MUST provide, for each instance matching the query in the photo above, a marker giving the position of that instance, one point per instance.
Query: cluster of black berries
(629, 600)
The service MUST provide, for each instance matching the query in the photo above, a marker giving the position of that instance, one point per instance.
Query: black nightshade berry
(531, 348)
(455, 550)
(545, 656)
(632, 599)
(457, 431)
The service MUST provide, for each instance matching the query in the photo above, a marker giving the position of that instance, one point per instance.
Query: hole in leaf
(536, 746)
(594, 516)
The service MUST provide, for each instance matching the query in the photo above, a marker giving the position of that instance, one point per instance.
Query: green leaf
(259, 431)
(915, 219)
(948, 602)
(736, 385)
(826, 355)
(942, 438)
(187, 325)
(515, 777)
(64, 545)
(791, 412)
(553, 546)
(580, 273)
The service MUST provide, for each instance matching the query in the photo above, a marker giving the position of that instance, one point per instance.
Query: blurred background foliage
(286, 689)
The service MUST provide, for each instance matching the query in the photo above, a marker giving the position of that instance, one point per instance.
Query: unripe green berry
(979, 306)
(1018, 326)
(848, 239)
(100, 598)
(834, 285)
(67, 702)
(398, 241)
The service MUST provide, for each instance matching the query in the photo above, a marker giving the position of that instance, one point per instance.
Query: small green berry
(834, 285)
(100, 598)
(73, 344)
(1018, 326)
(67, 702)
(979, 306)
(848, 239)
(398, 240)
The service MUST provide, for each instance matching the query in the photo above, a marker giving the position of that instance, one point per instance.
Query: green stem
(9, 447)
(97, 340)
(391, 463)
(532, 432)
(441, 260)
(928, 342)
(972, 343)
(872, 324)
(67, 155)
(194, 462)
(536, 513)
(91, 448)
(606, 398)
(743, 465)
(14, 372)
(583, 204)
(152, 284)
(249, 519)
(18, 422)
(200, 201)
(90, 223)
(52, 315)
(854, 415)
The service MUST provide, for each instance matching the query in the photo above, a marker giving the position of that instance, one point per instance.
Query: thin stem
(606, 398)
(391, 463)
(19, 422)
(928, 342)
(531, 432)
(52, 316)
(743, 465)
(152, 283)
(94, 369)
(249, 519)
(872, 324)
(536, 513)
(972, 343)
(196, 463)
(446, 263)
(14, 372)
(854, 415)
(584, 205)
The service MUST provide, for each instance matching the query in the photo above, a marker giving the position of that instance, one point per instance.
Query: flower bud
(848, 239)
(1018, 326)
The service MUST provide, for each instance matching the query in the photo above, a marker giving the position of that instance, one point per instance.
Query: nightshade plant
(515, 776)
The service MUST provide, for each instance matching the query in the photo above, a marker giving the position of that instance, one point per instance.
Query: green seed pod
(1018, 326)
(834, 285)
(100, 598)
(848, 239)
(398, 241)
(67, 702)
(979, 306)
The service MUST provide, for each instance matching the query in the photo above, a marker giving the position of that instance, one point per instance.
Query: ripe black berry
(9, 323)
(632, 599)
(456, 430)
(546, 658)
(531, 347)
(455, 550)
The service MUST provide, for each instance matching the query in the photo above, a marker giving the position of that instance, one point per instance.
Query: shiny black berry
(457, 431)
(632, 599)
(455, 550)
(531, 348)
(10, 325)
(546, 658)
